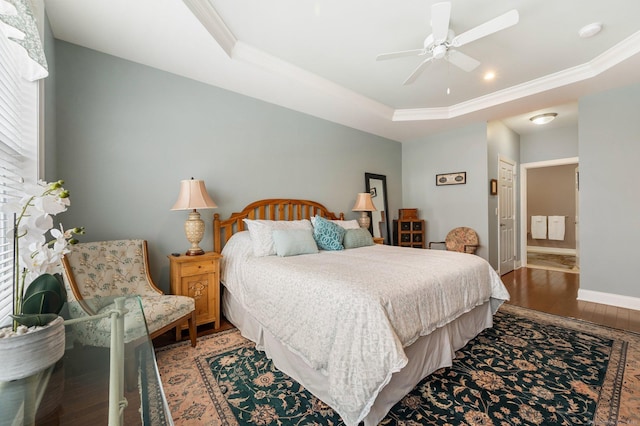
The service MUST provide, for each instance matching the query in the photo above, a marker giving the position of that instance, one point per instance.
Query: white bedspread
(350, 313)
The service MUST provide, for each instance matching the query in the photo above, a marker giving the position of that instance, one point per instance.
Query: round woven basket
(26, 354)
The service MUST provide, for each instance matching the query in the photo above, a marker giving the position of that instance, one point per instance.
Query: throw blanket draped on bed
(350, 313)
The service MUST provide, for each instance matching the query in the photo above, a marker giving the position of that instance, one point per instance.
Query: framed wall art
(451, 178)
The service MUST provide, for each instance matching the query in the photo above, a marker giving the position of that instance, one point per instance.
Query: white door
(506, 215)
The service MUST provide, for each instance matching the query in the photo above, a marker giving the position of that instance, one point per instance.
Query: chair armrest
(473, 248)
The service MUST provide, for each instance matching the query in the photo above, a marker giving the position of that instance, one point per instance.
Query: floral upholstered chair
(95, 274)
(462, 239)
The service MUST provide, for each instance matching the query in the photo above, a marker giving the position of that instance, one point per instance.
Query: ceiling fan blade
(416, 73)
(440, 15)
(501, 22)
(400, 54)
(461, 60)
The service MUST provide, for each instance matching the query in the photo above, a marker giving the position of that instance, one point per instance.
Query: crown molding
(323, 88)
(211, 20)
(606, 60)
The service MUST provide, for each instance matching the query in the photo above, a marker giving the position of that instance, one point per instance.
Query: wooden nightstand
(378, 240)
(198, 277)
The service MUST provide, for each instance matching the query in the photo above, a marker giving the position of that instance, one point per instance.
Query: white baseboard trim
(609, 299)
(551, 250)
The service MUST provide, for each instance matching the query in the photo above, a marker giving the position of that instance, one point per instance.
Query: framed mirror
(376, 185)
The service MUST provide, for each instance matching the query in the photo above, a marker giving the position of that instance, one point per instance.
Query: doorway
(549, 215)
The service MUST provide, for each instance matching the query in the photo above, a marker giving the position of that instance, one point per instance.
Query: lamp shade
(364, 203)
(193, 195)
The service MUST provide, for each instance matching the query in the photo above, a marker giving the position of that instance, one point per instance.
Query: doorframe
(524, 167)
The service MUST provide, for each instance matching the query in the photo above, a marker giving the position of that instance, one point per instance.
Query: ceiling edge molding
(211, 20)
(236, 49)
(606, 60)
(618, 53)
(257, 57)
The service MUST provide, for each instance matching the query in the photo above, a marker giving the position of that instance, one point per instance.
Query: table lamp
(193, 195)
(363, 205)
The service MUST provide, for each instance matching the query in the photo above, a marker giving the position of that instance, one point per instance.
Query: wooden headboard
(272, 209)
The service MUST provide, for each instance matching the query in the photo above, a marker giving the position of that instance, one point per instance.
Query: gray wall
(447, 207)
(127, 134)
(609, 195)
(549, 144)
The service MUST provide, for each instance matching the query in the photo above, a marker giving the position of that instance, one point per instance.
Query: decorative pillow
(292, 242)
(327, 234)
(261, 233)
(346, 224)
(355, 238)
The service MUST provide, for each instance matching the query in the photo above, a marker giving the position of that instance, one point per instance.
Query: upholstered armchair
(95, 274)
(462, 239)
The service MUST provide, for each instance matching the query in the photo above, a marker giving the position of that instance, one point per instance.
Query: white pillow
(261, 233)
(346, 224)
(292, 242)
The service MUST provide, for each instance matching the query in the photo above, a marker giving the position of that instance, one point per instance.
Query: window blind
(18, 144)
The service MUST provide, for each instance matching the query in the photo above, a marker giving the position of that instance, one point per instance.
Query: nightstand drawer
(199, 267)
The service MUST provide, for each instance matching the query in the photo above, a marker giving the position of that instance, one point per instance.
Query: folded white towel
(539, 227)
(556, 228)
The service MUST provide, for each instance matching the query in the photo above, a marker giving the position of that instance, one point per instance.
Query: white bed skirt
(428, 354)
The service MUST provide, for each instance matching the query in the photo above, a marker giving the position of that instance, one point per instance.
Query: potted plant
(35, 338)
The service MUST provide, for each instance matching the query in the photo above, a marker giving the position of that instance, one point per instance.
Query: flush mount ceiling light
(543, 118)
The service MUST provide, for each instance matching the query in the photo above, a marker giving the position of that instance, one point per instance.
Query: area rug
(530, 368)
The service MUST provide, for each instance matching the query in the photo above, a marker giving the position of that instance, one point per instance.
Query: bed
(358, 327)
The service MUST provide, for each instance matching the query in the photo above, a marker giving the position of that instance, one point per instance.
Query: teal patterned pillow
(355, 238)
(327, 234)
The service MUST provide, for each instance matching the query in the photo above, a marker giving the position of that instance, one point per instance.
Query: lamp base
(364, 220)
(194, 228)
(196, 252)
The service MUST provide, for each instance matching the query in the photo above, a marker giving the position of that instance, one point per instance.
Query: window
(18, 147)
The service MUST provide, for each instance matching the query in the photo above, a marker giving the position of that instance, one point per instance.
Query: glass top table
(77, 389)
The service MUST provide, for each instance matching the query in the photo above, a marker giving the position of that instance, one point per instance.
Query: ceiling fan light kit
(440, 43)
(543, 118)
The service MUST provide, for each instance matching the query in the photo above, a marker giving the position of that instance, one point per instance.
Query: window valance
(18, 24)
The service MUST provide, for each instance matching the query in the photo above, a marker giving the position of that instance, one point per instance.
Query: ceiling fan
(441, 42)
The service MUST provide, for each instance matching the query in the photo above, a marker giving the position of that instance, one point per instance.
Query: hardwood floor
(556, 293)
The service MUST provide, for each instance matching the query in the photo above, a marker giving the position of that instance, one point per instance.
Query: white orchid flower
(51, 204)
(35, 256)
(61, 237)
(37, 223)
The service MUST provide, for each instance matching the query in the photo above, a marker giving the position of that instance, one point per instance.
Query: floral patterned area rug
(530, 368)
